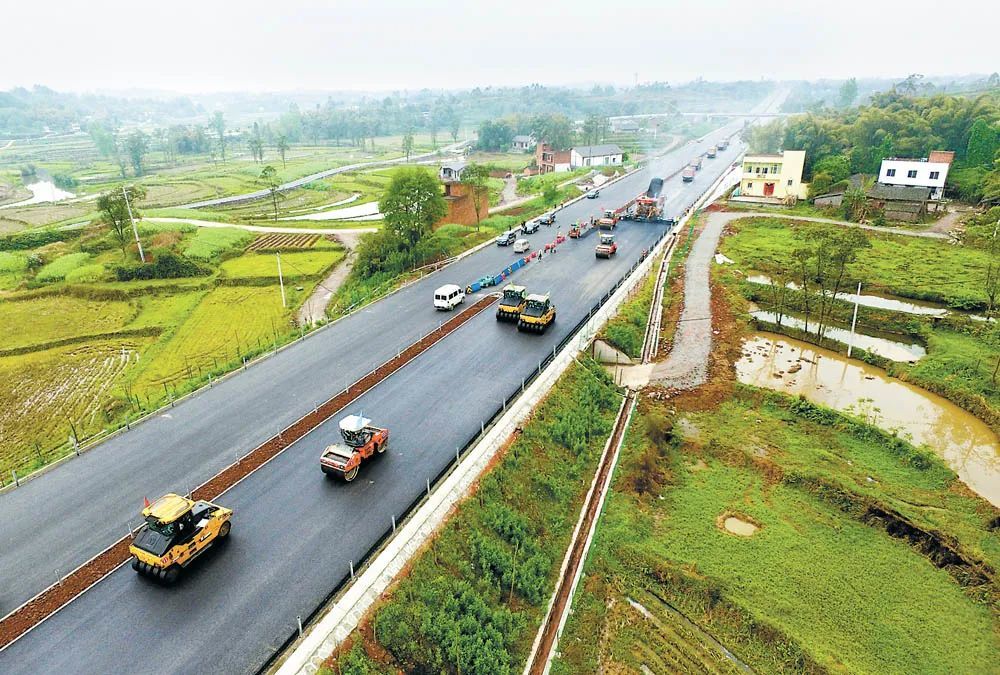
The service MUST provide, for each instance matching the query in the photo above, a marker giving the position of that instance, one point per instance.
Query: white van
(448, 296)
(522, 246)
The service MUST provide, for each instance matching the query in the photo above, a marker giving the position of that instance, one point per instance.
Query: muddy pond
(962, 440)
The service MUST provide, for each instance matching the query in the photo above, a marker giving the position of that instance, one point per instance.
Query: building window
(890, 173)
(789, 182)
(935, 174)
(912, 173)
(765, 170)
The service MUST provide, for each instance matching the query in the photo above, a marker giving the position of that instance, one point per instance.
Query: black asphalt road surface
(294, 532)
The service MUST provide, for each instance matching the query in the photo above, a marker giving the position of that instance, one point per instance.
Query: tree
(115, 212)
(412, 203)
(556, 130)
(983, 143)
(495, 135)
(855, 202)
(282, 147)
(765, 138)
(408, 144)
(550, 194)
(820, 184)
(137, 144)
(838, 167)
(453, 124)
(219, 124)
(595, 127)
(848, 93)
(270, 177)
(476, 178)
(834, 248)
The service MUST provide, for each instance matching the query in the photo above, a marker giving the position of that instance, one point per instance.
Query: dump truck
(696, 163)
(537, 315)
(655, 188)
(606, 247)
(723, 144)
(176, 531)
(361, 442)
(687, 175)
(511, 303)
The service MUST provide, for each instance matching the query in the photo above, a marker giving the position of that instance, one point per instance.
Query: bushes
(35, 238)
(165, 265)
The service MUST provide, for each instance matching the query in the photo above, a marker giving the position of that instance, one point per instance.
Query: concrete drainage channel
(335, 619)
(48, 602)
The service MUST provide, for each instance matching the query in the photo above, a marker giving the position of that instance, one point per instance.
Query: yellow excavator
(177, 530)
(537, 315)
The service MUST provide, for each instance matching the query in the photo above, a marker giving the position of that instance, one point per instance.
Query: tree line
(841, 142)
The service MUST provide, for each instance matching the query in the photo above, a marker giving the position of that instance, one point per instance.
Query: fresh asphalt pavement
(294, 532)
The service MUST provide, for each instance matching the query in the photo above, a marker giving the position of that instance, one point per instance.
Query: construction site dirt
(51, 600)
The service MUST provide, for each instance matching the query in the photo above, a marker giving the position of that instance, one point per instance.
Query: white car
(448, 297)
(522, 246)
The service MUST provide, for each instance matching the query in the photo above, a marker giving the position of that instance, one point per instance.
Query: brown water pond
(965, 443)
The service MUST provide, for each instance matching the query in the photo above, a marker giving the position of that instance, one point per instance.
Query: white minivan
(522, 246)
(448, 296)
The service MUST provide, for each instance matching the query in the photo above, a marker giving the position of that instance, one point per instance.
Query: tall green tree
(270, 177)
(115, 213)
(282, 147)
(412, 203)
(848, 93)
(554, 129)
(137, 144)
(495, 135)
(476, 178)
(984, 140)
(219, 125)
(408, 144)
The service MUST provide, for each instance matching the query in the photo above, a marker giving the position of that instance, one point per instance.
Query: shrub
(23, 241)
(165, 265)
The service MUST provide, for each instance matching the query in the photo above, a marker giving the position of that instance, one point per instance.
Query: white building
(595, 155)
(522, 143)
(928, 172)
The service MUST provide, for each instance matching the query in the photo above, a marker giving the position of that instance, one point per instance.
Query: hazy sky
(210, 45)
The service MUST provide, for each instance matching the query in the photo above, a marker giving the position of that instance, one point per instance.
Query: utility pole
(281, 281)
(135, 230)
(854, 321)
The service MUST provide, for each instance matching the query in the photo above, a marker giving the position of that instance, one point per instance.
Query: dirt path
(314, 308)
(948, 222)
(930, 233)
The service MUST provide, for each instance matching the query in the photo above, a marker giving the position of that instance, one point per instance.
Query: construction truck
(723, 144)
(537, 315)
(361, 441)
(647, 208)
(608, 220)
(606, 247)
(511, 303)
(176, 531)
(687, 175)
(711, 152)
(574, 231)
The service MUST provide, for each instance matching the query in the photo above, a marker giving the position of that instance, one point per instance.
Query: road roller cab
(177, 530)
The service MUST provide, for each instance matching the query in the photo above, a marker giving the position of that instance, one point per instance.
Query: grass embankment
(85, 352)
(961, 353)
(473, 599)
(627, 329)
(815, 588)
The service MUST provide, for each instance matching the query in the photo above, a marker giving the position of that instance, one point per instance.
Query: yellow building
(774, 177)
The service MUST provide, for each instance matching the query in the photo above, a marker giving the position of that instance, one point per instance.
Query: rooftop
(521, 138)
(598, 150)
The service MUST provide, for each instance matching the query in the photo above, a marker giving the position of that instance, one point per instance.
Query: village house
(773, 178)
(930, 172)
(522, 143)
(595, 155)
(452, 171)
(550, 160)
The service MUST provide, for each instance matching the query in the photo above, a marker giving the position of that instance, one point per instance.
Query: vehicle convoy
(511, 303)
(361, 441)
(537, 315)
(711, 152)
(507, 238)
(606, 247)
(448, 297)
(687, 175)
(177, 530)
